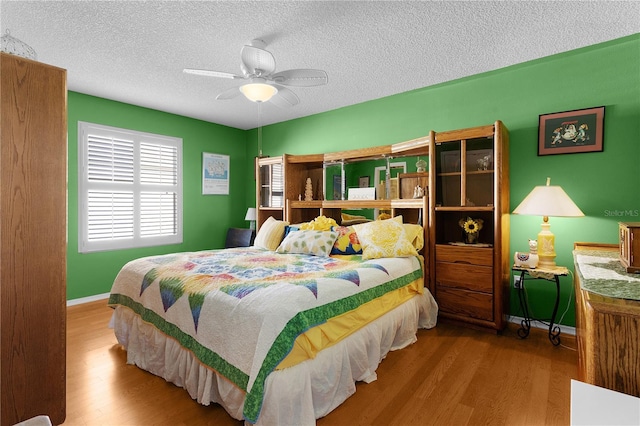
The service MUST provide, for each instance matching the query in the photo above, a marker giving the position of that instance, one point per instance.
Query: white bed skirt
(294, 396)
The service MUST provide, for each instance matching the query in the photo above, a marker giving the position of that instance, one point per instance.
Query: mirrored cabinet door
(269, 188)
(272, 185)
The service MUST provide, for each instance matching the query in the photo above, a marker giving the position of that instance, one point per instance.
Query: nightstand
(548, 274)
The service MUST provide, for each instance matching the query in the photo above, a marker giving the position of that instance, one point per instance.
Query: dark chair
(239, 237)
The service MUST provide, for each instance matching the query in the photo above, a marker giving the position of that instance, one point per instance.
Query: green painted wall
(604, 185)
(206, 217)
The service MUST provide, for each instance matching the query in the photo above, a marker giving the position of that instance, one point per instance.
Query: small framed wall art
(571, 131)
(215, 174)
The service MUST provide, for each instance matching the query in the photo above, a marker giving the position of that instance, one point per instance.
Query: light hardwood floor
(451, 376)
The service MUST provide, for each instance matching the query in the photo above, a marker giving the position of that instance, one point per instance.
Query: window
(129, 189)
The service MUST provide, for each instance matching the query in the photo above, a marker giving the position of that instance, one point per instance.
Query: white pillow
(270, 234)
(316, 243)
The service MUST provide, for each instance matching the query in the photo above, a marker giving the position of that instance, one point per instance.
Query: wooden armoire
(33, 234)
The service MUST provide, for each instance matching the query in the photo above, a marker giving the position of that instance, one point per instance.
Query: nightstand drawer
(467, 254)
(465, 303)
(465, 276)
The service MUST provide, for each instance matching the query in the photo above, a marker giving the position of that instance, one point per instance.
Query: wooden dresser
(608, 329)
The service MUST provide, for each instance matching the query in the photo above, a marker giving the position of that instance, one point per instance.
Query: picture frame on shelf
(337, 187)
(363, 182)
(571, 132)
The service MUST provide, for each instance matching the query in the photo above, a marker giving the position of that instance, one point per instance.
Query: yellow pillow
(270, 234)
(384, 238)
(415, 234)
(320, 223)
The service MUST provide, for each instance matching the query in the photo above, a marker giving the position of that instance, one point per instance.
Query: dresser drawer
(466, 254)
(465, 303)
(465, 276)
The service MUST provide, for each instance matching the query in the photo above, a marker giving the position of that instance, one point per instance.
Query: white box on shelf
(361, 194)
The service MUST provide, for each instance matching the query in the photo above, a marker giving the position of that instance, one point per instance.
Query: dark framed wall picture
(363, 182)
(571, 131)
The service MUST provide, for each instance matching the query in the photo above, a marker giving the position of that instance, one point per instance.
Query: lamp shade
(251, 214)
(547, 200)
(258, 91)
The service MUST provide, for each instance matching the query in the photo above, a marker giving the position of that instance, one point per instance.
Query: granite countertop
(601, 272)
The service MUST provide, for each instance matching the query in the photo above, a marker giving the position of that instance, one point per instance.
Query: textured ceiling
(134, 52)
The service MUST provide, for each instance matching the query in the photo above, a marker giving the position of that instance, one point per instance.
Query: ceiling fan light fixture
(258, 92)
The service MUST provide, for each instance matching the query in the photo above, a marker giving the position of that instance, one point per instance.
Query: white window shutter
(129, 189)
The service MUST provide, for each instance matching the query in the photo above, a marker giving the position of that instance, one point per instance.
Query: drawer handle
(466, 262)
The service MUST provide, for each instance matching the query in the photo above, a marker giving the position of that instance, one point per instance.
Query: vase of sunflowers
(471, 229)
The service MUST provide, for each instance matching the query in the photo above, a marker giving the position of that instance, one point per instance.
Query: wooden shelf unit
(300, 167)
(469, 177)
(470, 283)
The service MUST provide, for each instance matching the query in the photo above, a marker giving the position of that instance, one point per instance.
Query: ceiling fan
(264, 84)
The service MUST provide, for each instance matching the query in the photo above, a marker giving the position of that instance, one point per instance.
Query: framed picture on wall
(363, 182)
(215, 174)
(571, 131)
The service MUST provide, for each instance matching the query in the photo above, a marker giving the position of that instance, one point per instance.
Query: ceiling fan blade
(257, 62)
(234, 92)
(300, 77)
(285, 98)
(209, 73)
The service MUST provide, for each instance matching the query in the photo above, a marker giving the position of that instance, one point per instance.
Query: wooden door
(33, 211)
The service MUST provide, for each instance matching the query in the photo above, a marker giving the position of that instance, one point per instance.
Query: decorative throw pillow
(347, 242)
(352, 219)
(384, 238)
(316, 243)
(415, 234)
(270, 234)
(320, 223)
(290, 228)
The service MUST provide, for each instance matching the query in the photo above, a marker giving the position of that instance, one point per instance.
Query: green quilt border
(205, 355)
(282, 345)
(301, 322)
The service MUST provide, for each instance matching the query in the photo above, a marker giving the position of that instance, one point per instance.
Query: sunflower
(470, 225)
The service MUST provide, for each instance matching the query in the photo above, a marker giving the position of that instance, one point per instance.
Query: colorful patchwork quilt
(240, 310)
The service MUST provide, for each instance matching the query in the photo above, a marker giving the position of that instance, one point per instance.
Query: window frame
(86, 129)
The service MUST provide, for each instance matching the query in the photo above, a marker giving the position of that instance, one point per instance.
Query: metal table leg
(525, 324)
(554, 331)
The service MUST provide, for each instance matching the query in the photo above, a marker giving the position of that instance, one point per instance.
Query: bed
(274, 336)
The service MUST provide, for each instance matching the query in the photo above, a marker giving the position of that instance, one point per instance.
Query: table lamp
(251, 217)
(545, 201)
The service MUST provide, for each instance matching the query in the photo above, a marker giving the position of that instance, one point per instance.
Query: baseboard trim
(565, 329)
(87, 299)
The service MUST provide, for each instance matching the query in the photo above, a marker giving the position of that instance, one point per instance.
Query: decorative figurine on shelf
(527, 260)
(484, 163)
(471, 228)
(421, 165)
(418, 192)
(308, 190)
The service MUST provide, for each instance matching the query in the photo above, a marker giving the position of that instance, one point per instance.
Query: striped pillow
(270, 234)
